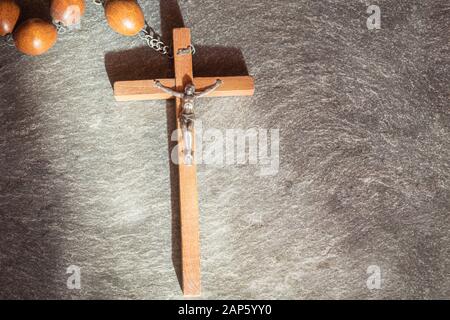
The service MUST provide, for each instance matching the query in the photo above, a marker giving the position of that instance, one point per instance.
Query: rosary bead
(67, 12)
(9, 14)
(35, 37)
(124, 16)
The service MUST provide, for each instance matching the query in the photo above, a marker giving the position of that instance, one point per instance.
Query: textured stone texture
(364, 173)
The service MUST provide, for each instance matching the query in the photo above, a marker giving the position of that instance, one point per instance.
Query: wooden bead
(67, 12)
(9, 14)
(124, 16)
(35, 37)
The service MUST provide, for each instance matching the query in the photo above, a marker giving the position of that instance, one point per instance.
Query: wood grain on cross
(189, 212)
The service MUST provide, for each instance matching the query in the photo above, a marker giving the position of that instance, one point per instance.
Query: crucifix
(186, 89)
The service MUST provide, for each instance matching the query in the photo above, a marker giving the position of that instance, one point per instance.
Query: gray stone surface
(364, 156)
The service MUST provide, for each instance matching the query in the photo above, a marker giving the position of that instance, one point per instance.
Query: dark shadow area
(174, 192)
(30, 203)
(171, 18)
(212, 61)
(34, 9)
(140, 63)
(143, 63)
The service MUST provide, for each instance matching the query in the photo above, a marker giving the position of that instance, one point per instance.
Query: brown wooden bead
(35, 37)
(124, 16)
(67, 12)
(9, 14)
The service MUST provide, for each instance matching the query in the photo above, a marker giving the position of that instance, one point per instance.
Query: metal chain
(9, 40)
(151, 38)
(60, 28)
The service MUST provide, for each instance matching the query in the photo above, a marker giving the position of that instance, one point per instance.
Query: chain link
(9, 40)
(153, 40)
(60, 28)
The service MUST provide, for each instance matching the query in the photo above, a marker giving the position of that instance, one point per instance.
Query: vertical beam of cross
(189, 212)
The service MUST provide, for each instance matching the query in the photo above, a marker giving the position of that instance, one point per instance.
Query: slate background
(364, 156)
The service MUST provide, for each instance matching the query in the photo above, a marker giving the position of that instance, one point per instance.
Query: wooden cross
(145, 90)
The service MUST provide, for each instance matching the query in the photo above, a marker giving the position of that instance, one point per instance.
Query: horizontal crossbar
(145, 89)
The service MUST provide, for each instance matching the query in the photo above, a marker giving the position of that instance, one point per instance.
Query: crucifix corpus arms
(187, 115)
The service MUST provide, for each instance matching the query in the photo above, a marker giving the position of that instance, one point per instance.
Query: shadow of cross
(146, 90)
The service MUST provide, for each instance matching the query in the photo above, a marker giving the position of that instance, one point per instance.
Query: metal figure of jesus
(187, 116)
